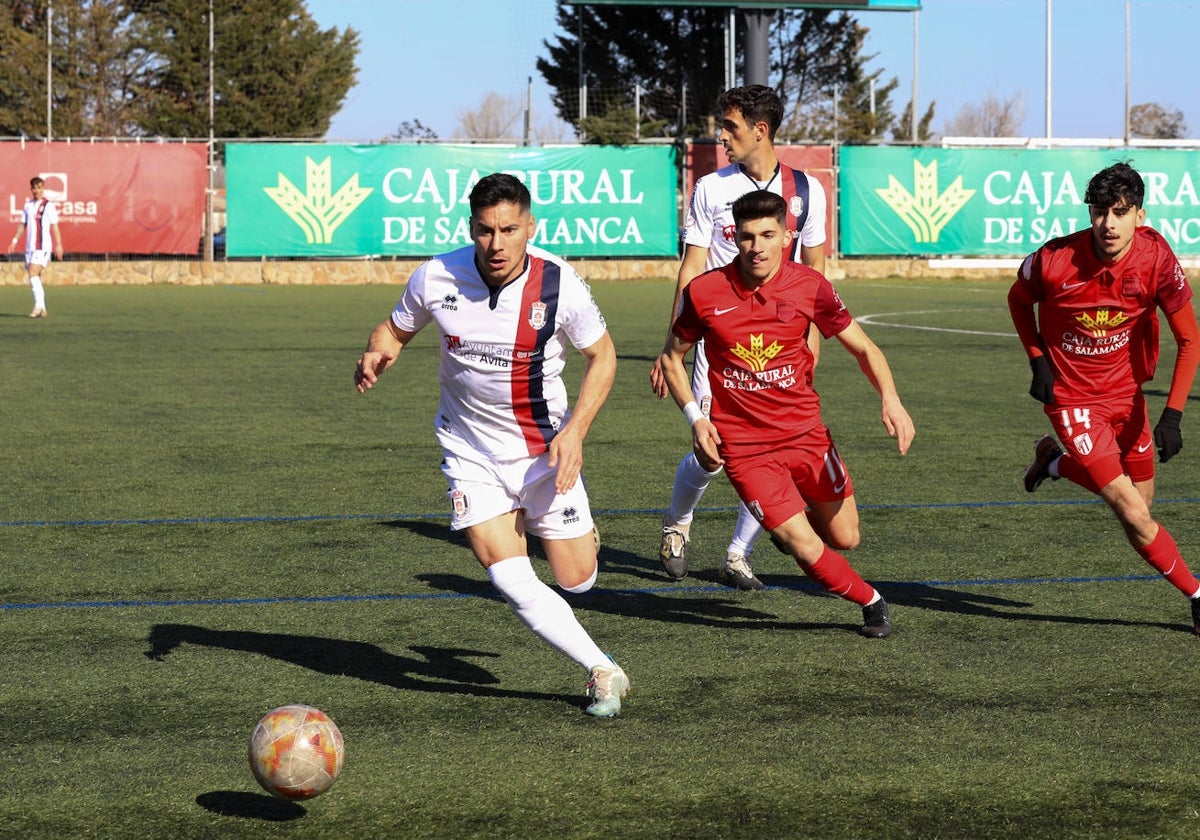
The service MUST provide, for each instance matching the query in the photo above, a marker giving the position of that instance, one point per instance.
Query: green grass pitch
(201, 520)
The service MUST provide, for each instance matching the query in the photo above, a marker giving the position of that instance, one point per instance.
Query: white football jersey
(503, 350)
(709, 222)
(39, 217)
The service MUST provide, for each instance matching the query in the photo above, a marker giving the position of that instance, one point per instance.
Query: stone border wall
(369, 271)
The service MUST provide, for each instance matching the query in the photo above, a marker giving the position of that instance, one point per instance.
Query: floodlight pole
(49, 74)
(731, 49)
(208, 193)
(1128, 65)
(1049, 111)
(758, 53)
(916, 52)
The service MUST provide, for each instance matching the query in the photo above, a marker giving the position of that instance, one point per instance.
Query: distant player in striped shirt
(39, 221)
(512, 449)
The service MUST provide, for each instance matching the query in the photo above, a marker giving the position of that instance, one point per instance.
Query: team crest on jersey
(1180, 279)
(729, 232)
(785, 310)
(1082, 443)
(453, 342)
(1102, 321)
(796, 206)
(1130, 286)
(756, 356)
(458, 503)
(706, 405)
(537, 315)
(755, 508)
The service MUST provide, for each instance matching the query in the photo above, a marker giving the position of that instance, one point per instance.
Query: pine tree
(141, 68)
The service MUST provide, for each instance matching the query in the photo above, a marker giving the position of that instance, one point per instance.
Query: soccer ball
(296, 752)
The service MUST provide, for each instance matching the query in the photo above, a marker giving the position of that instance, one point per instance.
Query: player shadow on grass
(943, 599)
(730, 612)
(431, 530)
(738, 610)
(433, 669)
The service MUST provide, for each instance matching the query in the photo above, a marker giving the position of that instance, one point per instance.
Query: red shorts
(1107, 438)
(778, 483)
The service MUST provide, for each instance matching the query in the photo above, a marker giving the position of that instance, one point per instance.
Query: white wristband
(692, 413)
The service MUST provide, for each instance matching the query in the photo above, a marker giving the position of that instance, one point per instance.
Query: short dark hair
(498, 188)
(758, 103)
(760, 204)
(35, 181)
(1119, 182)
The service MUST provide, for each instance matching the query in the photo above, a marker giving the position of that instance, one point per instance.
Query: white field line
(874, 321)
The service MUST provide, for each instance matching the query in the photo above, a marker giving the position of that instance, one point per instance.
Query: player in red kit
(1092, 344)
(750, 117)
(765, 425)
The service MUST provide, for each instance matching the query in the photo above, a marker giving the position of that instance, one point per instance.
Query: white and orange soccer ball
(296, 752)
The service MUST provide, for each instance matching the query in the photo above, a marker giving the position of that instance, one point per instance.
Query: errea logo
(318, 211)
(924, 209)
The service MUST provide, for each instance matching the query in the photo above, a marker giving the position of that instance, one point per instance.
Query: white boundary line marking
(870, 319)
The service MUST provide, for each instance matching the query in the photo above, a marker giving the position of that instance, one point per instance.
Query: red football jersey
(760, 367)
(1098, 321)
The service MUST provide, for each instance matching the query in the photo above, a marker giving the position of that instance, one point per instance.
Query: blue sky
(431, 60)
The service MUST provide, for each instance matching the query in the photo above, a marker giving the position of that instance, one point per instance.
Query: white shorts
(480, 491)
(41, 258)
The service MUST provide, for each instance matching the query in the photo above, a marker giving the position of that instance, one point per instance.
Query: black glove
(1042, 388)
(1167, 436)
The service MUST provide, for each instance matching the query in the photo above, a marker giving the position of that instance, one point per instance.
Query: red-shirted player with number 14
(1092, 344)
(765, 427)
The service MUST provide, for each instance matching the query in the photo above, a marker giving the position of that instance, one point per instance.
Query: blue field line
(801, 584)
(347, 517)
(222, 602)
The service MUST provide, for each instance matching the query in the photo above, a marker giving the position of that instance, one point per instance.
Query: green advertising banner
(314, 200)
(998, 202)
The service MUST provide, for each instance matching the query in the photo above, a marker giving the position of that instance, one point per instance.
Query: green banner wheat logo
(318, 210)
(923, 210)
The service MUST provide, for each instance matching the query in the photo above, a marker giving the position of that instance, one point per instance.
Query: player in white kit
(513, 449)
(39, 221)
(750, 116)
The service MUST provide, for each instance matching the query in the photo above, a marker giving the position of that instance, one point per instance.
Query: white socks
(746, 532)
(691, 480)
(39, 294)
(544, 611)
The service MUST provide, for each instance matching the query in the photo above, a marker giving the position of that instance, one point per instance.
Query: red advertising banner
(817, 161)
(122, 198)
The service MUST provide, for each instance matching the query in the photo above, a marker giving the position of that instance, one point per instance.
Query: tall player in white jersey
(39, 221)
(512, 449)
(750, 117)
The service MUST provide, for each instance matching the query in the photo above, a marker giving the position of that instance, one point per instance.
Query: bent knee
(578, 583)
(844, 541)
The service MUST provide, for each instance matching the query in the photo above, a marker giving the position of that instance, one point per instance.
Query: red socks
(1163, 555)
(834, 573)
